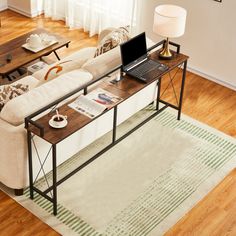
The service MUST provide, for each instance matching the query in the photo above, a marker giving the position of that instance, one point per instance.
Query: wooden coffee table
(21, 56)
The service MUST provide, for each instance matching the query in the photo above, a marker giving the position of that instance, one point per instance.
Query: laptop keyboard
(149, 69)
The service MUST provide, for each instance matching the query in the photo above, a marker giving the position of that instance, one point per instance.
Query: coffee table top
(21, 56)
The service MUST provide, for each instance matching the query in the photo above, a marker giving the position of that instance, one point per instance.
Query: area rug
(143, 185)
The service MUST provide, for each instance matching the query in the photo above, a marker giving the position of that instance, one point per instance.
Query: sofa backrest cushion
(58, 69)
(20, 107)
(103, 63)
(27, 80)
(69, 63)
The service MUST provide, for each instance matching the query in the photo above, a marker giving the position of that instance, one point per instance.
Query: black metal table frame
(55, 182)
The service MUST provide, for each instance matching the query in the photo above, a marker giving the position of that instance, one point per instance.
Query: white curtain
(56, 9)
(92, 15)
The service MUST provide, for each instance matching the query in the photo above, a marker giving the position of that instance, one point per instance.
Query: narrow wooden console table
(125, 88)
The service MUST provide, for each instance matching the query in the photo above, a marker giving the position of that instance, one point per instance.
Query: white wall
(30, 8)
(3, 5)
(210, 37)
(23, 6)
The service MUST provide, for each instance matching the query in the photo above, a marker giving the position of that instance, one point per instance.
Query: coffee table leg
(54, 178)
(58, 58)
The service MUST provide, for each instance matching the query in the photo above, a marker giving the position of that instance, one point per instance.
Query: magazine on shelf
(94, 103)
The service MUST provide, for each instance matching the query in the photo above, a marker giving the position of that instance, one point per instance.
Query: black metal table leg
(54, 178)
(29, 137)
(85, 91)
(158, 94)
(58, 58)
(182, 89)
(114, 125)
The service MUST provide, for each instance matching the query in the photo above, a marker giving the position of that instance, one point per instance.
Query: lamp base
(165, 53)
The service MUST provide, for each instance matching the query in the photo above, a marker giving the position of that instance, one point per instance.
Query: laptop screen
(133, 49)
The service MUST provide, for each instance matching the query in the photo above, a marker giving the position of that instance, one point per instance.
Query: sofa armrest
(13, 166)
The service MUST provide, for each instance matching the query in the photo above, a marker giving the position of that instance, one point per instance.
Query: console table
(125, 89)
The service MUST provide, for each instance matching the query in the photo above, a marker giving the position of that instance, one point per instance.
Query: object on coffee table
(34, 41)
(46, 39)
(36, 67)
(8, 57)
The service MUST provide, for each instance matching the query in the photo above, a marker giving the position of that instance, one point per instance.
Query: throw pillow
(112, 40)
(8, 92)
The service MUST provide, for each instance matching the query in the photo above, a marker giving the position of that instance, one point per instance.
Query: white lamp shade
(169, 21)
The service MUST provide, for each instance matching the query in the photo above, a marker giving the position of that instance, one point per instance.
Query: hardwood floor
(204, 100)
(16, 220)
(207, 102)
(215, 215)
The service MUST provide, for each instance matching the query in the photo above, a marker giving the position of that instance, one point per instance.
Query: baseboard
(37, 13)
(25, 13)
(209, 77)
(3, 8)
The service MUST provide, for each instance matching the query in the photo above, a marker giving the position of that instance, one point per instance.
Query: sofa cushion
(20, 107)
(104, 63)
(58, 69)
(82, 54)
(8, 92)
(112, 40)
(72, 62)
(27, 80)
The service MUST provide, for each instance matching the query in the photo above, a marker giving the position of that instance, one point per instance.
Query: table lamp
(169, 22)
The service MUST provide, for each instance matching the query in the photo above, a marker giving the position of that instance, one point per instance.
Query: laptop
(135, 61)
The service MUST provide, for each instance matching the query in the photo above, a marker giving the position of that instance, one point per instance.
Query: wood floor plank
(204, 100)
(214, 215)
(17, 221)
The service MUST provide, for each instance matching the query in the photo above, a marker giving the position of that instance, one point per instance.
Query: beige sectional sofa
(13, 146)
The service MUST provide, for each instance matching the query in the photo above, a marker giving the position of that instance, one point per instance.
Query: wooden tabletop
(21, 56)
(123, 89)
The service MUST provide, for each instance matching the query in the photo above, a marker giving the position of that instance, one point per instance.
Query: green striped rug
(143, 185)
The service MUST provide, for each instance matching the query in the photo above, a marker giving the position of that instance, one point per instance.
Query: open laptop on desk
(135, 61)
